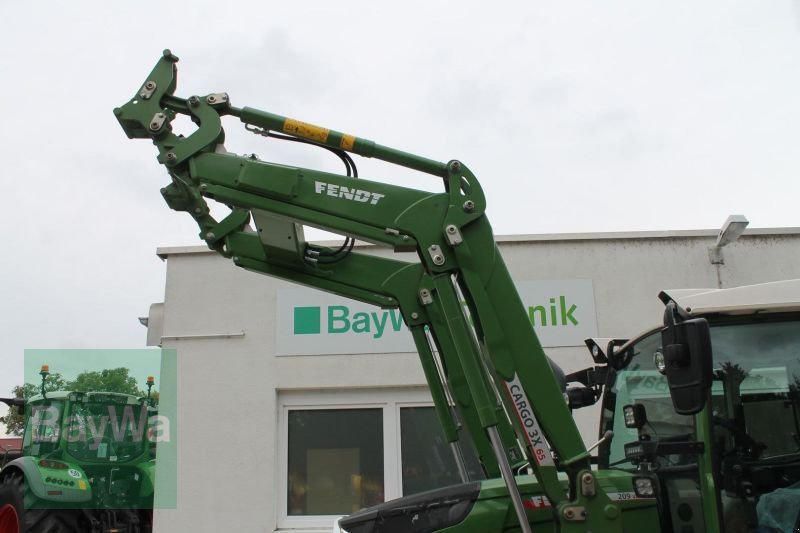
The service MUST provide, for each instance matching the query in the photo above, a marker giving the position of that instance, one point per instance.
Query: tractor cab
(102, 441)
(738, 452)
(87, 427)
(87, 461)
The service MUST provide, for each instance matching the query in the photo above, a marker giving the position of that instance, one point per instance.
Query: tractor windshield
(755, 422)
(755, 394)
(638, 381)
(106, 432)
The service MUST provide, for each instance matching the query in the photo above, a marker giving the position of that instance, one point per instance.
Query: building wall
(222, 320)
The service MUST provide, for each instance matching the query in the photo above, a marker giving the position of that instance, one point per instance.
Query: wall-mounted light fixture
(734, 226)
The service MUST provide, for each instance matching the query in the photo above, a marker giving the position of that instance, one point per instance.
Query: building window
(335, 464)
(341, 451)
(427, 459)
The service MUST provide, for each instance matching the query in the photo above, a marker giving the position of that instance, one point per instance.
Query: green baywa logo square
(307, 320)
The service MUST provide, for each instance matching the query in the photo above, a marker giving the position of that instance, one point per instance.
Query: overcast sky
(575, 116)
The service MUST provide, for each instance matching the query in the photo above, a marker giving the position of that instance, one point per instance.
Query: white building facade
(319, 405)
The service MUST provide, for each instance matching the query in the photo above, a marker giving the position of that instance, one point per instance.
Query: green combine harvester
(87, 465)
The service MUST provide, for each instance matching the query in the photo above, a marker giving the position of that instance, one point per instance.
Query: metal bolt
(150, 85)
(587, 478)
(235, 258)
(194, 101)
(211, 99)
(197, 210)
(438, 260)
(154, 126)
(210, 236)
(569, 514)
(415, 315)
(455, 166)
(203, 187)
(451, 229)
(469, 205)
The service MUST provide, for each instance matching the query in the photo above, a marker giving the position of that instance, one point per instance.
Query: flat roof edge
(655, 234)
(165, 251)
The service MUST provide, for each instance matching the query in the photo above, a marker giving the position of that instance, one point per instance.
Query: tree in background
(15, 419)
(108, 380)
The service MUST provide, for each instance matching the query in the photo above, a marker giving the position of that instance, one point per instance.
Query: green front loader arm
(477, 346)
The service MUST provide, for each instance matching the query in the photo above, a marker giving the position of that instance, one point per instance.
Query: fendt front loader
(486, 370)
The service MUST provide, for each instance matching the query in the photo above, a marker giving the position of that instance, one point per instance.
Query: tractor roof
(64, 395)
(773, 297)
(777, 296)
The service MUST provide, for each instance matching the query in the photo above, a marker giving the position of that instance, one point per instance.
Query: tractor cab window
(640, 382)
(757, 375)
(103, 432)
(755, 416)
(756, 390)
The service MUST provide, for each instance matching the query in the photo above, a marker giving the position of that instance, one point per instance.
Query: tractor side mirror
(687, 360)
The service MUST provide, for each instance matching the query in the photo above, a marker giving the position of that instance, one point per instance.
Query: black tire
(146, 520)
(12, 495)
(11, 504)
(55, 521)
(14, 518)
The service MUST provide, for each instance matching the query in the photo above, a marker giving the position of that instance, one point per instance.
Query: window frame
(390, 401)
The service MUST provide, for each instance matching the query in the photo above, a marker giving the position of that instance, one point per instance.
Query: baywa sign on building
(311, 322)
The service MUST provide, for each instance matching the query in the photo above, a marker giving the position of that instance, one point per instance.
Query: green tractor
(693, 438)
(87, 465)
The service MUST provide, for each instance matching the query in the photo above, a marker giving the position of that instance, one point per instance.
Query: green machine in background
(87, 465)
(493, 387)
